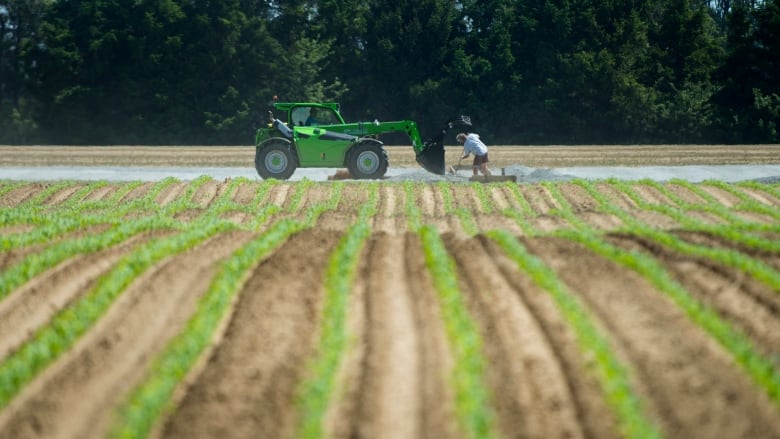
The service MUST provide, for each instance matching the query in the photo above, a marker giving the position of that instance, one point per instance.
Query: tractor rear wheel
(368, 159)
(274, 158)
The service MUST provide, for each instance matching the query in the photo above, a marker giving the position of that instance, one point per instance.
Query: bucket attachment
(431, 158)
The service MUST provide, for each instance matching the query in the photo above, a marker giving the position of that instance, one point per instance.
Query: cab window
(313, 116)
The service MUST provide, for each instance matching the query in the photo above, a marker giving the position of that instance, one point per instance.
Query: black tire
(367, 160)
(274, 158)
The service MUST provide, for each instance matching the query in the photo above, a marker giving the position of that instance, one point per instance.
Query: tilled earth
(394, 382)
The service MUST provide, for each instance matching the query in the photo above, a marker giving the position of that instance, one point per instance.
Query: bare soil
(395, 381)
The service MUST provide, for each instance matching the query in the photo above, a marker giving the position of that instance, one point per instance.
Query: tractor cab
(311, 114)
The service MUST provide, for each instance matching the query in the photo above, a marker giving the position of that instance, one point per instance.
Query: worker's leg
(483, 165)
(476, 164)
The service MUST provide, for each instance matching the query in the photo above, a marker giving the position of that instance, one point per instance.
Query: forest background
(168, 72)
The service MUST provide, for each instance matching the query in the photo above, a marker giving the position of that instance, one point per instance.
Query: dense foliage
(527, 71)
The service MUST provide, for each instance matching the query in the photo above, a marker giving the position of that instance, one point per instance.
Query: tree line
(526, 71)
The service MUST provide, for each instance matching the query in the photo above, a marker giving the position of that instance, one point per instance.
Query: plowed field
(239, 308)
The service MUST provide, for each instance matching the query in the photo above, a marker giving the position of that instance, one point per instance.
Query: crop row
(761, 368)
(76, 226)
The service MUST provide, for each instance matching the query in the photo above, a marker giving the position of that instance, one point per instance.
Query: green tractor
(316, 136)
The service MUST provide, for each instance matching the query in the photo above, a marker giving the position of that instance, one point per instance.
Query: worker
(312, 119)
(473, 145)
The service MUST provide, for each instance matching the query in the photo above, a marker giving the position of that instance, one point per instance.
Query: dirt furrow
(585, 207)
(539, 198)
(136, 193)
(426, 200)
(465, 197)
(208, 192)
(102, 193)
(690, 384)
(92, 377)
(651, 195)
(625, 203)
(352, 197)
(188, 215)
(402, 382)
(11, 229)
(761, 196)
(247, 387)
(316, 194)
(444, 221)
(496, 221)
(335, 221)
(771, 258)
(11, 257)
(749, 304)
(35, 303)
(245, 193)
(279, 195)
(499, 198)
(530, 389)
(615, 197)
(19, 195)
(595, 418)
(727, 199)
(15, 255)
(390, 216)
(430, 202)
(684, 193)
(63, 195)
(343, 404)
(237, 217)
(171, 192)
(655, 196)
(542, 202)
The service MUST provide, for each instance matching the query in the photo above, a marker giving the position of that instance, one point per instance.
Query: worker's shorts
(480, 159)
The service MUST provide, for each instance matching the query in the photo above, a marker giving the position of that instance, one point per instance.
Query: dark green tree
(528, 71)
(156, 71)
(343, 25)
(99, 65)
(573, 76)
(406, 46)
(20, 21)
(483, 77)
(749, 98)
(685, 54)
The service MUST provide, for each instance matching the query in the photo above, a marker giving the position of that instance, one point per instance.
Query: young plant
(317, 393)
(613, 376)
(468, 375)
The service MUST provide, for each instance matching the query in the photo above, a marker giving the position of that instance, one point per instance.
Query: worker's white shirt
(473, 145)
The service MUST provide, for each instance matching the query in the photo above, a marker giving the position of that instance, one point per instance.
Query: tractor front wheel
(274, 158)
(368, 159)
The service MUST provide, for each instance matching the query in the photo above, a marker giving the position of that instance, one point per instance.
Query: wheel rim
(276, 162)
(367, 162)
